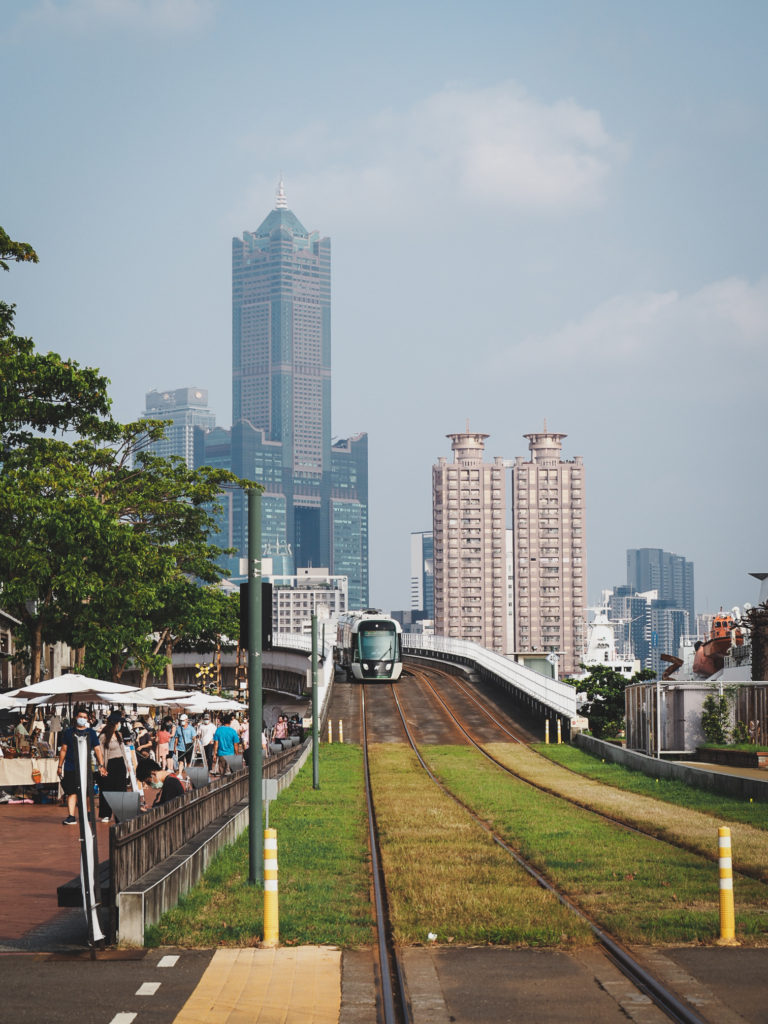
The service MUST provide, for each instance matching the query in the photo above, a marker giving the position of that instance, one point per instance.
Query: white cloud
(156, 16)
(712, 329)
(493, 147)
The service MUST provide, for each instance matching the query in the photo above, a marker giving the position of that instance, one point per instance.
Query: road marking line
(148, 988)
(123, 1018)
(167, 961)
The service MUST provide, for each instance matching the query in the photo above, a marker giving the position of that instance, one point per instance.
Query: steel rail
(394, 995)
(667, 1001)
(636, 829)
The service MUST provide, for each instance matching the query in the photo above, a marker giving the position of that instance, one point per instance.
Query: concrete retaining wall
(716, 782)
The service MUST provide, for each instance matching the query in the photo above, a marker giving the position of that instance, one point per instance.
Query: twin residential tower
(519, 591)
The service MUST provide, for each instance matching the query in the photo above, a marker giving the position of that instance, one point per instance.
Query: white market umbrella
(208, 702)
(224, 704)
(149, 696)
(72, 685)
(6, 702)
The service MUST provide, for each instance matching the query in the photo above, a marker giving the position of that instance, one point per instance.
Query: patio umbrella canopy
(71, 685)
(149, 696)
(9, 703)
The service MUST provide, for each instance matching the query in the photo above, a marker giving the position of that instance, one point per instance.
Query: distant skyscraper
(469, 530)
(423, 574)
(670, 575)
(655, 608)
(315, 504)
(187, 408)
(550, 557)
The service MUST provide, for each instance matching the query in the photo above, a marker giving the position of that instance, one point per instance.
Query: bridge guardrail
(553, 693)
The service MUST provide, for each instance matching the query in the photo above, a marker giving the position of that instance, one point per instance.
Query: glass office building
(315, 502)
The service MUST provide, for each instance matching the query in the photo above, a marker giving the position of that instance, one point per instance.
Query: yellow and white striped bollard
(330, 731)
(546, 730)
(341, 731)
(727, 916)
(271, 913)
(559, 731)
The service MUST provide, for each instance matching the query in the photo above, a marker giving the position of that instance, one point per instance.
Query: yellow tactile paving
(291, 985)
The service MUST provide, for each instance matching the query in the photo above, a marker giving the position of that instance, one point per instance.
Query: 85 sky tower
(315, 505)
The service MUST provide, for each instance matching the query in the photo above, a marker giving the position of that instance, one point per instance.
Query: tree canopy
(102, 544)
(604, 688)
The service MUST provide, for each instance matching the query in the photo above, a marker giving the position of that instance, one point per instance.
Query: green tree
(17, 252)
(604, 688)
(716, 718)
(103, 545)
(41, 394)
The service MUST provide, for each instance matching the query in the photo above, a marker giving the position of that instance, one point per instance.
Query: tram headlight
(388, 666)
(365, 665)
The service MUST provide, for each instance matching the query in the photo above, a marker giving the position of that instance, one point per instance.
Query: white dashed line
(123, 1018)
(148, 988)
(167, 961)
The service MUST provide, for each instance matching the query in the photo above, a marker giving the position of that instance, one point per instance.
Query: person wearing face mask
(169, 783)
(67, 759)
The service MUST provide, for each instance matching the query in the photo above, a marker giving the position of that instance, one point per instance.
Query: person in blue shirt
(226, 742)
(183, 740)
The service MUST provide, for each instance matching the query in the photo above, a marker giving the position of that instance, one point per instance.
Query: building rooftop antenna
(281, 203)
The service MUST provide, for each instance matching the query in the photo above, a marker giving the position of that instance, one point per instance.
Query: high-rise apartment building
(187, 409)
(550, 554)
(469, 532)
(315, 502)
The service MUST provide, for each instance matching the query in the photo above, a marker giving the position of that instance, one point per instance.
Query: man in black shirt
(169, 783)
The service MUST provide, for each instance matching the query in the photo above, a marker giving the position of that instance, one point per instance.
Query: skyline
(541, 212)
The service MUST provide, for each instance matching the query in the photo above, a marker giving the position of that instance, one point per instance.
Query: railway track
(516, 736)
(394, 988)
(395, 1006)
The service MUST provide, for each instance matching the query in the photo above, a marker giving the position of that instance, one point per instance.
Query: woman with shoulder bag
(114, 755)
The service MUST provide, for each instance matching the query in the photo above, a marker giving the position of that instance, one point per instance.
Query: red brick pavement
(38, 854)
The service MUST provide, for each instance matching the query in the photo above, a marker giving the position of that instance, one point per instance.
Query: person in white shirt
(205, 731)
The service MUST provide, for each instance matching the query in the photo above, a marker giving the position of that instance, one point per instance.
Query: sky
(541, 210)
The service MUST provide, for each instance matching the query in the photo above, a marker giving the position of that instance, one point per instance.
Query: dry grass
(445, 874)
(690, 829)
(637, 888)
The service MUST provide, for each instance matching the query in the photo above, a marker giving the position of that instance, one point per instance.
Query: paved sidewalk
(289, 985)
(39, 854)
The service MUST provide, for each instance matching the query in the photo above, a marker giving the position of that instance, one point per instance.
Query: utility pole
(255, 713)
(315, 726)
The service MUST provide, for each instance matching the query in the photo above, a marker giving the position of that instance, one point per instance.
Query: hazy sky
(537, 210)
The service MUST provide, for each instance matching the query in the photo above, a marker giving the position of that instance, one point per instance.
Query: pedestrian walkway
(39, 854)
(289, 985)
(761, 774)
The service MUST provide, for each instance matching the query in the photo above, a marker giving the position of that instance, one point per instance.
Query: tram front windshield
(377, 644)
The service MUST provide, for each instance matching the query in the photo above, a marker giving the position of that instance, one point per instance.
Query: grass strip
(725, 808)
(446, 875)
(324, 870)
(635, 887)
(691, 828)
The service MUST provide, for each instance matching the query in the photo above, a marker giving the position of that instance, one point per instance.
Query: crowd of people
(147, 753)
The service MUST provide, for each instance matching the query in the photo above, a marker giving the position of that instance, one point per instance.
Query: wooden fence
(140, 844)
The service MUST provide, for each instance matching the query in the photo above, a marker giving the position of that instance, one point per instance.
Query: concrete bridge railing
(532, 689)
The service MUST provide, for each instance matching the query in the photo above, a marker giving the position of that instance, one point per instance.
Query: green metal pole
(255, 712)
(315, 729)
